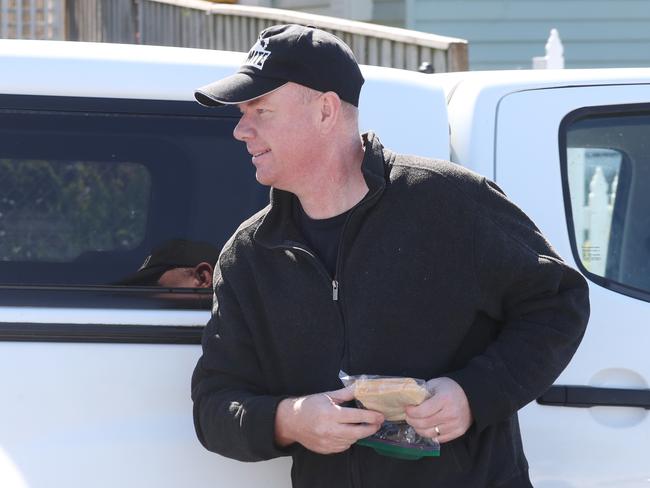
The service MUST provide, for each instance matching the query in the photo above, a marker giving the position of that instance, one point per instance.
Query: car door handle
(595, 396)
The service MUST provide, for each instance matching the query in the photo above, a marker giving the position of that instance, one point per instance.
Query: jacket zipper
(296, 246)
(355, 474)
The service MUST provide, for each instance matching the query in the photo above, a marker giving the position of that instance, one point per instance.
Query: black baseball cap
(175, 253)
(305, 55)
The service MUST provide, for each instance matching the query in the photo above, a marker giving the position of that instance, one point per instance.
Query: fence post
(554, 58)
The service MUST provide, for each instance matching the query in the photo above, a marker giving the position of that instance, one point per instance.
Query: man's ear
(330, 109)
(202, 275)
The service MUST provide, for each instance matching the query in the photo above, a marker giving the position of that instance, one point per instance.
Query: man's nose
(243, 130)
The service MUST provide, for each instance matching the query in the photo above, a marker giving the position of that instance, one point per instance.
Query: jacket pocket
(459, 449)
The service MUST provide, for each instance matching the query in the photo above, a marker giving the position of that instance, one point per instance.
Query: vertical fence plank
(439, 61)
(425, 56)
(359, 48)
(236, 33)
(243, 33)
(398, 55)
(155, 19)
(207, 30)
(411, 55)
(260, 25)
(197, 29)
(220, 29)
(252, 33)
(386, 53)
(184, 27)
(193, 31)
(373, 51)
(228, 33)
(143, 22)
(4, 18)
(32, 19)
(174, 38)
(19, 19)
(205, 24)
(210, 33)
(95, 21)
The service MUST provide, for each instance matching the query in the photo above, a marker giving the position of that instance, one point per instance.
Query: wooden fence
(202, 24)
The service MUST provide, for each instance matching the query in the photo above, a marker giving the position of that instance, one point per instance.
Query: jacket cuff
(487, 402)
(259, 426)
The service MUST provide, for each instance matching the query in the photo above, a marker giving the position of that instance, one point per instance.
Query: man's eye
(260, 110)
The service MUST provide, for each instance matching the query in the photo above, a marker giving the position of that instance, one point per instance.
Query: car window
(92, 191)
(55, 211)
(606, 166)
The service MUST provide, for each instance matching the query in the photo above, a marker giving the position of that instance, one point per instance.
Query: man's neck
(336, 193)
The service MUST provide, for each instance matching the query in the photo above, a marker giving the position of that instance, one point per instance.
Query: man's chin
(263, 179)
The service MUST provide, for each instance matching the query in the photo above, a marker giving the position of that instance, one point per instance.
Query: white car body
(80, 414)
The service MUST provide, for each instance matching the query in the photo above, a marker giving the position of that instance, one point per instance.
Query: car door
(96, 371)
(577, 160)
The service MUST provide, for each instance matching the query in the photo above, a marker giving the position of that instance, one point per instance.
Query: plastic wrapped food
(390, 396)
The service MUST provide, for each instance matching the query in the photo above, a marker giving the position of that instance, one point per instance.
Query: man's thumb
(341, 396)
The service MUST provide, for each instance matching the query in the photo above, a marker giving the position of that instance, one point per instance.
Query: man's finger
(359, 431)
(428, 408)
(360, 416)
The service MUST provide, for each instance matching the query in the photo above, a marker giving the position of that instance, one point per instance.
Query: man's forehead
(288, 89)
(254, 102)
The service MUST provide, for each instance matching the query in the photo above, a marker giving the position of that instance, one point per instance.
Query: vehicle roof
(215, 61)
(419, 125)
(65, 68)
(509, 81)
(473, 99)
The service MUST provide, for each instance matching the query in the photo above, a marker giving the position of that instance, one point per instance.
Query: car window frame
(565, 124)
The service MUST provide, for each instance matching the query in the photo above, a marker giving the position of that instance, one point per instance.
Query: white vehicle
(104, 154)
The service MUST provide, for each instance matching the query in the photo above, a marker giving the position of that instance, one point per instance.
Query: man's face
(278, 130)
(199, 276)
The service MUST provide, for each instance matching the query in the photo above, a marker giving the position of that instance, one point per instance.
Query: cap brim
(237, 88)
(144, 277)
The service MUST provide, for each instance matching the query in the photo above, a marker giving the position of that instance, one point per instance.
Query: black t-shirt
(321, 235)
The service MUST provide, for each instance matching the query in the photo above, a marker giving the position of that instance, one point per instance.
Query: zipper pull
(335, 290)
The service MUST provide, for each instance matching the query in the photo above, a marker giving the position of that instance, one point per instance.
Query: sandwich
(389, 396)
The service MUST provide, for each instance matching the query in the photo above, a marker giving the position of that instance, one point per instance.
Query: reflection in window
(608, 175)
(56, 210)
(89, 187)
(593, 178)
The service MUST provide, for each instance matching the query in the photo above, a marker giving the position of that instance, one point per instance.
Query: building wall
(319, 7)
(508, 33)
(386, 12)
(389, 12)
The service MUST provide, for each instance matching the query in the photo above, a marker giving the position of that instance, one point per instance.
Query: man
(373, 263)
(176, 263)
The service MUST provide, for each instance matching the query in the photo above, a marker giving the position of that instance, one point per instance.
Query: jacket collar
(277, 228)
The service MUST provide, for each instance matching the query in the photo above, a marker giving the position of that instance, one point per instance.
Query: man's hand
(445, 416)
(319, 423)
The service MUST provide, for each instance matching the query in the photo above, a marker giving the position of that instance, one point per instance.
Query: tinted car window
(606, 157)
(88, 187)
(55, 211)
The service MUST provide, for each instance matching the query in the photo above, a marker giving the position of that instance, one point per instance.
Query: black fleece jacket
(438, 275)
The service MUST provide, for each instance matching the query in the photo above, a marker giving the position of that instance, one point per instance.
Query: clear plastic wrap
(390, 395)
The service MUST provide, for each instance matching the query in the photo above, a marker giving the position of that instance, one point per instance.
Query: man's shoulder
(242, 239)
(418, 171)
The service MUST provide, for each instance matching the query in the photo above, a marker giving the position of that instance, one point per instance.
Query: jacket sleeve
(540, 304)
(233, 414)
